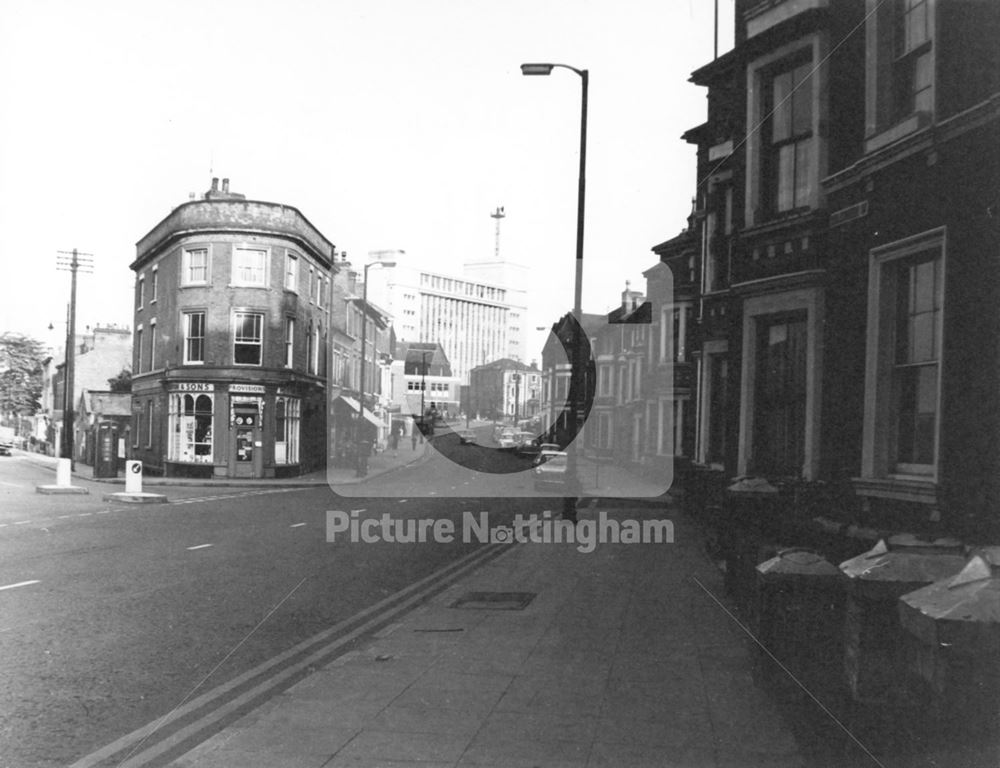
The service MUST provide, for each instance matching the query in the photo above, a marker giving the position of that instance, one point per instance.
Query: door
(780, 396)
(246, 441)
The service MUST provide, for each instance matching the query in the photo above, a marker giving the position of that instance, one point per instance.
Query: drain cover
(494, 601)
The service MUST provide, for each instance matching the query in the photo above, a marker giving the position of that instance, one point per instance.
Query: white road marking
(201, 546)
(63, 517)
(19, 584)
(403, 501)
(104, 512)
(296, 525)
(3, 525)
(85, 514)
(12, 485)
(22, 522)
(359, 511)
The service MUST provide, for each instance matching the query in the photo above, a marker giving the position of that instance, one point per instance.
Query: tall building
(232, 323)
(474, 320)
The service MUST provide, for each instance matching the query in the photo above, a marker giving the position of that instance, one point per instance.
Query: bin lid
(798, 562)
(751, 485)
(901, 564)
(961, 611)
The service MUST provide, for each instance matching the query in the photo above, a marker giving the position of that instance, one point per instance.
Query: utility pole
(498, 214)
(72, 262)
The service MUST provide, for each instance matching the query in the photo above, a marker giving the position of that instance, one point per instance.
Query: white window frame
(286, 444)
(877, 461)
(289, 341)
(260, 343)
(712, 353)
(154, 274)
(758, 73)
(186, 278)
(291, 271)
(183, 444)
(186, 321)
(152, 344)
(246, 275)
(140, 290)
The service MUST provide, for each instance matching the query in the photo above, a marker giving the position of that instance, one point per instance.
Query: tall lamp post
(361, 463)
(576, 370)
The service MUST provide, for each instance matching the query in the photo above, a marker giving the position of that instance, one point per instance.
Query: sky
(390, 124)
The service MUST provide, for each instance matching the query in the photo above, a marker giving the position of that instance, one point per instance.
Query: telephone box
(106, 450)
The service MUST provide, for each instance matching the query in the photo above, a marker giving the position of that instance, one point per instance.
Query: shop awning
(356, 406)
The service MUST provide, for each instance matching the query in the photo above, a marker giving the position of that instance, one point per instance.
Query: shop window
(286, 430)
(190, 426)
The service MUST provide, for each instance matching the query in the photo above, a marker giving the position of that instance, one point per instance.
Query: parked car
(6, 440)
(551, 473)
(546, 452)
(508, 440)
(467, 437)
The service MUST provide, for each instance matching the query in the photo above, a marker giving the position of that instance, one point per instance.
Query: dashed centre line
(296, 525)
(20, 584)
(201, 546)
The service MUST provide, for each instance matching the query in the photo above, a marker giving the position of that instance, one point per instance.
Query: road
(112, 615)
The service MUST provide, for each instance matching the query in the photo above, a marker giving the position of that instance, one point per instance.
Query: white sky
(391, 124)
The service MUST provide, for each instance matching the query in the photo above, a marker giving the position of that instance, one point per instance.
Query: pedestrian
(413, 439)
(394, 443)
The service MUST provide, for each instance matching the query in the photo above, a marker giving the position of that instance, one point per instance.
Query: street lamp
(361, 464)
(576, 370)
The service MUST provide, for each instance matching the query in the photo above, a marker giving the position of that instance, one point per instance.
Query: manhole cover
(494, 601)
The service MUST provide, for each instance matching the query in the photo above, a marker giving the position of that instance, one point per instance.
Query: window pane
(781, 120)
(917, 408)
(804, 182)
(802, 100)
(786, 178)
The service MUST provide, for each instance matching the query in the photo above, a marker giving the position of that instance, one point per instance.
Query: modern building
(506, 390)
(475, 321)
(232, 329)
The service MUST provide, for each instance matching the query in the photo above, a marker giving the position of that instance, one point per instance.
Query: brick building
(232, 324)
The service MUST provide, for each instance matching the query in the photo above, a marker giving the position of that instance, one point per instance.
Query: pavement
(621, 657)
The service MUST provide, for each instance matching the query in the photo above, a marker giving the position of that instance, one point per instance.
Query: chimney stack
(215, 183)
(225, 186)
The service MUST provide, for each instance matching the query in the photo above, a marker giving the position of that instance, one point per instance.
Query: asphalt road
(111, 615)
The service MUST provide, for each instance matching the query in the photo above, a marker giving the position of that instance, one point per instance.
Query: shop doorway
(247, 457)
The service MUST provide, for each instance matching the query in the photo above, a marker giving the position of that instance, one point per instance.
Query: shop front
(232, 430)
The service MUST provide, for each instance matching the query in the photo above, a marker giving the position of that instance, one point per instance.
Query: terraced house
(846, 240)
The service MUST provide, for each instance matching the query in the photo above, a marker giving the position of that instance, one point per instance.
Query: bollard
(63, 473)
(133, 477)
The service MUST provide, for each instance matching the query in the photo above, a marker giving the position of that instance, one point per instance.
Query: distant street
(111, 614)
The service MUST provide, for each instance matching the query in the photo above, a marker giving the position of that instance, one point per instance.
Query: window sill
(899, 488)
(903, 128)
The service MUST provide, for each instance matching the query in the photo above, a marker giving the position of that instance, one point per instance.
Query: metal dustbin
(874, 660)
(954, 628)
(800, 615)
(745, 526)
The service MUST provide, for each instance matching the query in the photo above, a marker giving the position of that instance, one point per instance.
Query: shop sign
(184, 386)
(256, 389)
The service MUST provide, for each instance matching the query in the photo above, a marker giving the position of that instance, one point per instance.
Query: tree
(20, 374)
(122, 382)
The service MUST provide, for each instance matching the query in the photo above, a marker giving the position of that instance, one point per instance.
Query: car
(5, 449)
(551, 473)
(546, 452)
(508, 440)
(467, 437)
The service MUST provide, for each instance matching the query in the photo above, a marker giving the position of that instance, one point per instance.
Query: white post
(63, 478)
(133, 477)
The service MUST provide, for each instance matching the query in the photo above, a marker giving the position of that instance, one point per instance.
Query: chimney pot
(215, 183)
(225, 185)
